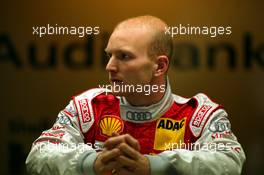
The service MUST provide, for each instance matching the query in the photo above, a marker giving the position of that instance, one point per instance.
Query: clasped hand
(121, 155)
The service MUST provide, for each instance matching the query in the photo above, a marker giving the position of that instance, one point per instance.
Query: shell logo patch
(169, 132)
(109, 124)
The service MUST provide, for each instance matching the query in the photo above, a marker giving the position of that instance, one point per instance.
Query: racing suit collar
(141, 114)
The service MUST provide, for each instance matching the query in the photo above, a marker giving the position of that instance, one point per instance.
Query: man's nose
(111, 65)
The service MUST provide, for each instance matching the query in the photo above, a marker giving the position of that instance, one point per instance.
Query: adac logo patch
(169, 131)
(170, 124)
(110, 124)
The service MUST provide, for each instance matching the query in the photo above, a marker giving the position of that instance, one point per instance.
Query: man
(130, 132)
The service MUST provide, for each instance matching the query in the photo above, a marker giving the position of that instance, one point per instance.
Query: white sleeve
(61, 150)
(216, 152)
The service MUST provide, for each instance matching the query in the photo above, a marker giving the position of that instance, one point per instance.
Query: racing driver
(129, 132)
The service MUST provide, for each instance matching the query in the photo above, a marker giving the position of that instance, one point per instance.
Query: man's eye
(124, 56)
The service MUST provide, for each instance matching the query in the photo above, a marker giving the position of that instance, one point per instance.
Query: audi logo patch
(138, 116)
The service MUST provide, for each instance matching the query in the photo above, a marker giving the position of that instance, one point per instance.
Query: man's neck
(142, 99)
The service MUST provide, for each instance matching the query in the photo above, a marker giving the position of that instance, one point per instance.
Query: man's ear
(162, 65)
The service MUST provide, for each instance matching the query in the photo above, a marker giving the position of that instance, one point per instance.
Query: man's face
(129, 63)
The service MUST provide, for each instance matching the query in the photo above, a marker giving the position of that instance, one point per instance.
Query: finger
(127, 162)
(129, 151)
(132, 142)
(113, 141)
(108, 155)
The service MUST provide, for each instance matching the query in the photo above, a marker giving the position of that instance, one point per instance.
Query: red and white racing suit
(178, 135)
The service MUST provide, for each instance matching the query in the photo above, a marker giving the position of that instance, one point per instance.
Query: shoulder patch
(198, 118)
(84, 107)
(202, 113)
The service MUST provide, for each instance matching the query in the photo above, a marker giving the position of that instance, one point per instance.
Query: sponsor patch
(84, 110)
(138, 116)
(48, 134)
(220, 125)
(64, 120)
(226, 134)
(237, 149)
(70, 109)
(110, 124)
(200, 115)
(57, 127)
(169, 131)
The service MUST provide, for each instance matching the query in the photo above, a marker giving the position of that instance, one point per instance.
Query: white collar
(142, 114)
